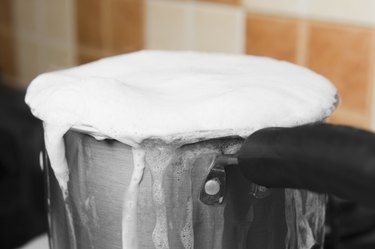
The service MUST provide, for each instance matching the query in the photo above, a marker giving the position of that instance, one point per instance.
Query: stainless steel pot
(100, 172)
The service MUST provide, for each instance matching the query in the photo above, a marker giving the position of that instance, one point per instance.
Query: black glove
(320, 157)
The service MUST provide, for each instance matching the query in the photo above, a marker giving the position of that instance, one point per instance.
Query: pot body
(100, 173)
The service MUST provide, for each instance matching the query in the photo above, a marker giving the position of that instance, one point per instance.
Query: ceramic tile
(89, 23)
(168, 25)
(218, 28)
(25, 16)
(233, 2)
(5, 13)
(27, 58)
(343, 54)
(51, 59)
(285, 7)
(272, 36)
(126, 25)
(350, 11)
(6, 19)
(7, 54)
(57, 18)
(350, 118)
(88, 55)
(8, 70)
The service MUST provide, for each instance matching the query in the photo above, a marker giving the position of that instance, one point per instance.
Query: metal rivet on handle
(212, 187)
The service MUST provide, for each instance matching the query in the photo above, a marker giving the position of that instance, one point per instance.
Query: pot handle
(325, 158)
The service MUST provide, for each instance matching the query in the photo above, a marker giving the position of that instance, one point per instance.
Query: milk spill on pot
(187, 234)
(158, 158)
(171, 165)
(55, 145)
(129, 214)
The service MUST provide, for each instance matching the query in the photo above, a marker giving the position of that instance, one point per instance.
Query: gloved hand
(323, 158)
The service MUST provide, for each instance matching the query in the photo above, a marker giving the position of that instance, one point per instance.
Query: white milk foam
(175, 96)
(178, 98)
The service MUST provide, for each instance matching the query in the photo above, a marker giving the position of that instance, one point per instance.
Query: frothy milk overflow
(173, 98)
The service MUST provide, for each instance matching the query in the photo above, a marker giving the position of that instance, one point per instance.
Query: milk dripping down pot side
(90, 216)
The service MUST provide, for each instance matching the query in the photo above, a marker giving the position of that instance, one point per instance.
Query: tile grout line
(7, 32)
(241, 26)
(146, 26)
(16, 41)
(72, 32)
(40, 33)
(106, 30)
(90, 51)
(302, 42)
(143, 24)
(45, 41)
(371, 94)
(190, 25)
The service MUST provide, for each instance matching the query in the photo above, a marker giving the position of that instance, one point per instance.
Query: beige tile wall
(218, 28)
(344, 55)
(334, 38)
(108, 27)
(44, 37)
(169, 25)
(7, 48)
(360, 12)
(276, 37)
(233, 2)
(188, 25)
(278, 7)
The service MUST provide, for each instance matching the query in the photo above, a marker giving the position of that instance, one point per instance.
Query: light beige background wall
(334, 38)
